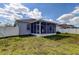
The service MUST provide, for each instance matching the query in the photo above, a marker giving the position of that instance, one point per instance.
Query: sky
(52, 10)
(61, 12)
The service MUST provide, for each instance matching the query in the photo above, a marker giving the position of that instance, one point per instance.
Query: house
(65, 26)
(38, 27)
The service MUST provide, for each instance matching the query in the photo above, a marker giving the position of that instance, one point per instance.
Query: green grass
(60, 44)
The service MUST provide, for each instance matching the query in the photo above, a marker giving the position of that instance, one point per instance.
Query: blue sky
(48, 10)
(53, 10)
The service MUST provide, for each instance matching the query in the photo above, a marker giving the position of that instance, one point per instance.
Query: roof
(27, 20)
(34, 20)
(31, 20)
(66, 26)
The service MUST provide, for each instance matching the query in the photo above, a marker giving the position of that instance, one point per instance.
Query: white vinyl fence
(8, 31)
(69, 30)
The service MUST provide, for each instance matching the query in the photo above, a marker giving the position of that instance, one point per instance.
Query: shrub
(58, 32)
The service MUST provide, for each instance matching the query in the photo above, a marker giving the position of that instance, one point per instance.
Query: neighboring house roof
(65, 26)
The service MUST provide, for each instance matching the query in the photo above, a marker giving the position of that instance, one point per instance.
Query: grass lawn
(60, 44)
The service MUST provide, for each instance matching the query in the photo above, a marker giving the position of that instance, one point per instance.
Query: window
(43, 27)
(37, 28)
(28, 26)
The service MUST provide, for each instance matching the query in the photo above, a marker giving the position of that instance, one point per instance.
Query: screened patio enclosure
(41, 27)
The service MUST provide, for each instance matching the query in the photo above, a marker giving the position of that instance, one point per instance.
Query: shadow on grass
(52, 37)
(57, 37)
(20, 36)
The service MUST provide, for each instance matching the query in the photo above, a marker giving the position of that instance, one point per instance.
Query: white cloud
(35, 14)
(76, 11)
(14, 11)
(75, 20)
(70, 18)
(19, 8)
(65, 18)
